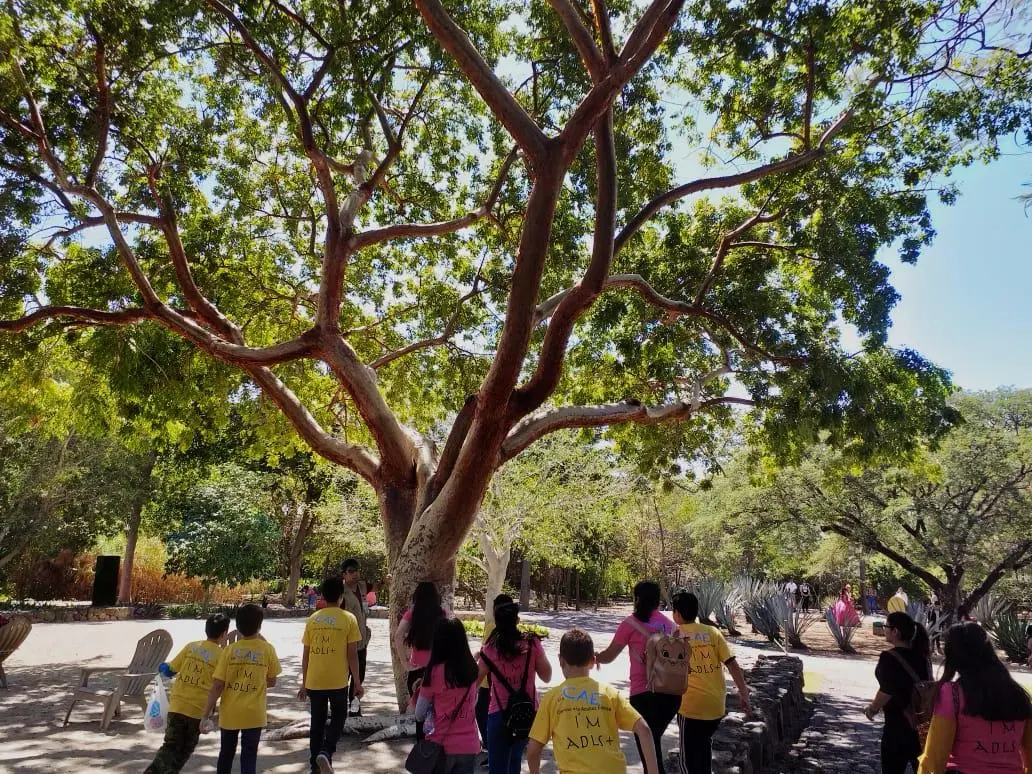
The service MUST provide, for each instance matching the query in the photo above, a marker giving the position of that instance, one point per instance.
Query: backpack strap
(497, 673)
(526, 666)
(909, 669)
(640, 628)
(461, 704)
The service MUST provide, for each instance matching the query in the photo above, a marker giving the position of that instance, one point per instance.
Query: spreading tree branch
(503, 105)
(790, 164)
(536, 427)
(417, 230)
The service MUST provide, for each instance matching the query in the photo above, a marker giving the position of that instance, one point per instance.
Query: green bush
(476, 629)
(1009, 633)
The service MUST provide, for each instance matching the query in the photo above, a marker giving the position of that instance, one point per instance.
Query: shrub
(843, 634)
(475, 628)
(793, 621)
(1009, 634)
(758, 600)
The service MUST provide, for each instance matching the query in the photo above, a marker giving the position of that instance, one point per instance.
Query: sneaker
(322, 760)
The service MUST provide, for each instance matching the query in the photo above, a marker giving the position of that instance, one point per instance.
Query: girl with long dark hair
(415, 634)
(511, 659)
(983, 721)
(657, 709)
(449, 690)
(899, 669)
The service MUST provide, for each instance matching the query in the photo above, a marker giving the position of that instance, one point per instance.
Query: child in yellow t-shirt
(583, 718)
(703, 704)
(329, 659)
(193, 670)
(244, 671)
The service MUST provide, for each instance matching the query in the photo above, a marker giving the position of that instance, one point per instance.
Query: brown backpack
(921, 707)
(668, 660)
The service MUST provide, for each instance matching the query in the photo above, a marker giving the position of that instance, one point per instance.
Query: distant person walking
(415, 635)
(633, 633)
(899, 670)
(805, 595)
(983, 721)
(354, 601)
(898, 602)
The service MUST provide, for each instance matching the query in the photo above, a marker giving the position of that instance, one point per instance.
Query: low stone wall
(70, 613)
(753, 744)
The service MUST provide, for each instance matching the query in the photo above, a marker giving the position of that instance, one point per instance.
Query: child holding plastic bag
(193, 670)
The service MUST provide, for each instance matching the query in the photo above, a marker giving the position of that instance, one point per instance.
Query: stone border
(753, 744)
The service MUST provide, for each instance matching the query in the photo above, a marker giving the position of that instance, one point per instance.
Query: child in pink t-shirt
(983, 722)
(415, 634)
(447, 697)
(506, 657)
(633, 633)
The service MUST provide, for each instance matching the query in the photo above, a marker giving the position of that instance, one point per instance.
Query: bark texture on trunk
(525, 584)
(306, 523)
(132, 530)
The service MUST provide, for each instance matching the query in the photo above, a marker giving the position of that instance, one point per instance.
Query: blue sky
(967, 304)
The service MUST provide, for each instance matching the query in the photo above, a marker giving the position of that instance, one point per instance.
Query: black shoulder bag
(427, 757)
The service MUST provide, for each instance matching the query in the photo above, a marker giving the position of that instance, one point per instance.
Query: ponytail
(915, 634)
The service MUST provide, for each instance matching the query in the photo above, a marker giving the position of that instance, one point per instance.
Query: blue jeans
(249, 739)
(504, 754)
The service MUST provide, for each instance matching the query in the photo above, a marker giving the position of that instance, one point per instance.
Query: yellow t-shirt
(244, 667)
(327, 635)
(583, 719)
(896, 604)
(489, 628)
(706, 695)
(194, 667)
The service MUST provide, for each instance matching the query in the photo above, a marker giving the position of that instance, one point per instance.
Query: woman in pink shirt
(983, 721)
(449, 691)
(512, 660)
(415, 635)
(657, 709)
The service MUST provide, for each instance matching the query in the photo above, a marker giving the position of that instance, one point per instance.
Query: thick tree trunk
(297, 553)
(525, 584)
(132, 530)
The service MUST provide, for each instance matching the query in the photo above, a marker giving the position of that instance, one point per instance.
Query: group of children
(237, 677)
(458, 699)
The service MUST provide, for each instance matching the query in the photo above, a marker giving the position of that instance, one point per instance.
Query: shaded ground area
(43, 671)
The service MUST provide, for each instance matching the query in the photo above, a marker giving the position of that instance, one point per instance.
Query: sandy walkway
(42, 673)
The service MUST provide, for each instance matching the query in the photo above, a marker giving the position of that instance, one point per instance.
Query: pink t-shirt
(512, 670)
(628, 634)
(417, 658)
(461, 736)
(983, 746)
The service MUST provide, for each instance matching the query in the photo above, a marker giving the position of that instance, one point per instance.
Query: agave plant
(843, 634)
(727, 609)
(990, 610)
(792, 621)
(1009, 634)
(709, 593)
(758, 600)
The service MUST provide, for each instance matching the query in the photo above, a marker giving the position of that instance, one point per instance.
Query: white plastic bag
(156, 716)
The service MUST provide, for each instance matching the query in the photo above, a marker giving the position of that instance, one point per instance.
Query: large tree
(386, 214)
(958, 516)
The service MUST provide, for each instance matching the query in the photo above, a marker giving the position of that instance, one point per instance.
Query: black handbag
(427, 757)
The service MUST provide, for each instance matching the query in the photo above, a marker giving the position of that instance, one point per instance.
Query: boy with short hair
(328, 662)
(244, 672)
(705, 698)
(193, 671)
(583, 718)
